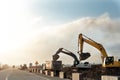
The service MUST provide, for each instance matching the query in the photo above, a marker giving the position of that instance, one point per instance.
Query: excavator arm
(91, 42)
(61, 50)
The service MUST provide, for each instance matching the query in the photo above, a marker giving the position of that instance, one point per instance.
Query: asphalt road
(15, 74)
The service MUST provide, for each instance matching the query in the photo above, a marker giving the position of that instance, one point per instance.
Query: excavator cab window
(109, 60)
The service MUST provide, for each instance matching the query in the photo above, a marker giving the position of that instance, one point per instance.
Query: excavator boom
(91, 42)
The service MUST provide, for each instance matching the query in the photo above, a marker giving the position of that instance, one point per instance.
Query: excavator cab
(109, 60)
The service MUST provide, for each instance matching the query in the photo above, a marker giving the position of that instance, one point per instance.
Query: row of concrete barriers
(75, 76)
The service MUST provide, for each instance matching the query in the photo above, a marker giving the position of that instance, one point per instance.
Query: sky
(33, 30)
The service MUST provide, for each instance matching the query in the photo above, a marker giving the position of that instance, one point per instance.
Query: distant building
(35, 69)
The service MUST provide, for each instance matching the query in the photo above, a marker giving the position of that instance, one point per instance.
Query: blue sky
(67, 10)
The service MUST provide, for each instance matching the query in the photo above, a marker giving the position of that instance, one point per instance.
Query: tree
(30, 64)
(36, 63)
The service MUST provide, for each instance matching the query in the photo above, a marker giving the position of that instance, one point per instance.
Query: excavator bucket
(55, 57)
(84, 56)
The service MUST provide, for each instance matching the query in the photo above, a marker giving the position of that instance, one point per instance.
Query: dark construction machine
(76, 64)
(62, 50)
(54, 66)
(109, 65)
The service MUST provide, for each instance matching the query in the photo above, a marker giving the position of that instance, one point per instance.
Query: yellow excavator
(107, 61)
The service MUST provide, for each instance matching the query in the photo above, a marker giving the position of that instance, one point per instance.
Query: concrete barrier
(105, 77)
(52, 74)
(46, 73)
(61, 75)
(33, 70)
(41, 71)
(75, 76)
(38, 70)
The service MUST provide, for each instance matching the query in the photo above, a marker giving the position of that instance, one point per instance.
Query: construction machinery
(110, 66)
(77, 65)
(62, 50)
(107, 61)
(87, 71)
(54, 66)
(76, 62)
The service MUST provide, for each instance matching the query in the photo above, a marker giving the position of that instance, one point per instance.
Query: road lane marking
(7, 76)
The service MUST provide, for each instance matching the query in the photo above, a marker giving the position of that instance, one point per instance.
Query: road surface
(15, 74)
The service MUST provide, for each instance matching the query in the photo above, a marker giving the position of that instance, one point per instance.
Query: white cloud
(44, 42)
(66, 35)
(36, 20)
